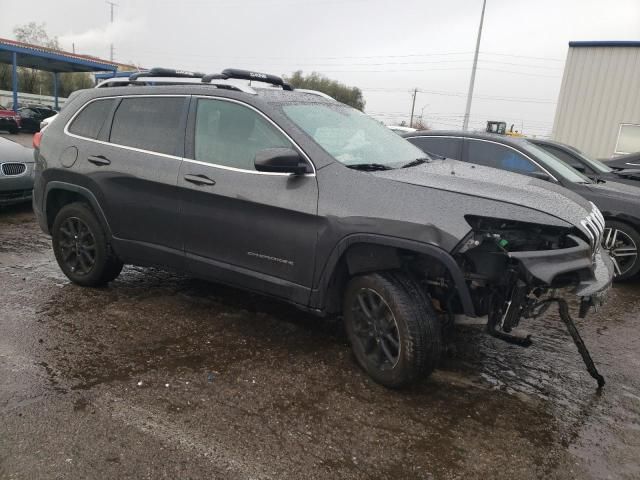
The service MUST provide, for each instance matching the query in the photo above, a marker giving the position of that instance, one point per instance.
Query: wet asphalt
(163, 376)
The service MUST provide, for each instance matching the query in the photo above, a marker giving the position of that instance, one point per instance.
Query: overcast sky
(384, 47)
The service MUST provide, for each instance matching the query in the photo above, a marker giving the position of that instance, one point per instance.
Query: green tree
(314, 81)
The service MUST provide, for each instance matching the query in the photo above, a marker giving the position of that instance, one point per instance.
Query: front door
(248, 228)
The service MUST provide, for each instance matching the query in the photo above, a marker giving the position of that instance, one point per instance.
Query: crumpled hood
(490, 183)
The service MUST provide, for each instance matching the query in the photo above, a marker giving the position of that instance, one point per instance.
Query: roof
(51, 60)
(606, 43)
(505, 139)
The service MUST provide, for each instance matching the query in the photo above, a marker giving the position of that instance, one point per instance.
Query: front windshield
(351, 137)
(597, 165)
(555, 164)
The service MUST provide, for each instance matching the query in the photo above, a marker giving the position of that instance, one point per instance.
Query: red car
(9, 120)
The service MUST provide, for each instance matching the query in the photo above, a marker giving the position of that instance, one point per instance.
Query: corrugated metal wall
(600, 90)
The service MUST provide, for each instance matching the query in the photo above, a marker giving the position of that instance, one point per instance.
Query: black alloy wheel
(393, 329)
(77, 245)
(376, 329)
(82, 247)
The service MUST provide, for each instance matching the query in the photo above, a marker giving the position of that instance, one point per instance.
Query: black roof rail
(236, 73)
(166, 72)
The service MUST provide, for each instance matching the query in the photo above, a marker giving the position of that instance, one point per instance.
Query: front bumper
(595, 273)
(16, 188)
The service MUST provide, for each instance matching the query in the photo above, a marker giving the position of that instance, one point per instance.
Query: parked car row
(617, 197)
(27, 118)
(294, 195)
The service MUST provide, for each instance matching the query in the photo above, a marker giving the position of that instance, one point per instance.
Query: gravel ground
(163, 376)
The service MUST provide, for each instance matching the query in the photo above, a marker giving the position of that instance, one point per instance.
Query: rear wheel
(621, 241)
(81, 248)
(392, 327)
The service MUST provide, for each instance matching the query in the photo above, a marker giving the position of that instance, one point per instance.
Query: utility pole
(111, 4)
(413, 106)
(467, 111)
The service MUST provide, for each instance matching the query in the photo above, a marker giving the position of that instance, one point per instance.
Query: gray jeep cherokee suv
(294, 195)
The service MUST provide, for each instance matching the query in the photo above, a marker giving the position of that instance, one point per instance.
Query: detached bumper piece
(595, 273)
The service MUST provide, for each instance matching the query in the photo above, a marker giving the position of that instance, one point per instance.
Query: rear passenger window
(230, 134)
(91, 119)
(442, 146)
(149, 123)
(499, 156)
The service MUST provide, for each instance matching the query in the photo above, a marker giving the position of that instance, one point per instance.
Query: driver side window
(230, 134)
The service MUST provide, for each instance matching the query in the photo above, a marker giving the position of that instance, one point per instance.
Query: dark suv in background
(294, 195)
(618, 202)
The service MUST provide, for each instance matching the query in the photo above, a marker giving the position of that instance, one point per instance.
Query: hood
(615, 190)
(493, 184)
(14, 152)
(631, 160)
(629, 173)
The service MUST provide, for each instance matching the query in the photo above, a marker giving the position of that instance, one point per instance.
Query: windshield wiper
(369, 167)
(416, 162)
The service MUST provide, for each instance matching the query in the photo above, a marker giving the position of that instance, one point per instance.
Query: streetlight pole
(467, 111)
(111, 4)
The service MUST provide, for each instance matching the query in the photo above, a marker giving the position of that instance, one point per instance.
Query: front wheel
(392, 327)
(621, 241)
(81, 248)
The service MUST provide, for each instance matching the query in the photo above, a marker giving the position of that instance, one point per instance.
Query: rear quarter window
(91, 118)
(149, 123)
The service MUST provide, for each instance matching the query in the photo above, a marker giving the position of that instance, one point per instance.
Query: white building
(598, 109)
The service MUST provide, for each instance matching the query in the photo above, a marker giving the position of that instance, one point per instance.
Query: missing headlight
(513, 235)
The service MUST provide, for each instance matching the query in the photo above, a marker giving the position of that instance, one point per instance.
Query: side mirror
(281, 160)
(579, 167)
(540, 176)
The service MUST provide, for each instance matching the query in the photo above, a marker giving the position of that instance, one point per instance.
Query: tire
(81, 247)
(403, 342)
(626, 239)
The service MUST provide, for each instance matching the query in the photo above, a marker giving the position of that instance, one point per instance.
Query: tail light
(37, 138)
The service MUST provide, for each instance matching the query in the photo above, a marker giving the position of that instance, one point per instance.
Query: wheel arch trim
(82, 191)
(319, 295)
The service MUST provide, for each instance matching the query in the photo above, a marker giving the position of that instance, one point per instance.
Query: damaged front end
(514, 268)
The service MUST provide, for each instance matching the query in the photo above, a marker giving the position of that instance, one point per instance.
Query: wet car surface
(163, 376)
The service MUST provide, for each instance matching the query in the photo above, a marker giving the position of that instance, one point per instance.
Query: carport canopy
(20, 54)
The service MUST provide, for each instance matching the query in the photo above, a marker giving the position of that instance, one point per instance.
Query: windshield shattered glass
(352, 137)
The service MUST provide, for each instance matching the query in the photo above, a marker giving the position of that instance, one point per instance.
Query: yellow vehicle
(501, 129)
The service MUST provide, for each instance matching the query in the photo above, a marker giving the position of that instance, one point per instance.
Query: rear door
(448, 147)
(133, 166)
(253, 229)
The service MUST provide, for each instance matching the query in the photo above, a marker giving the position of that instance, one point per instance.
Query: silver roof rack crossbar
(235, 73)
